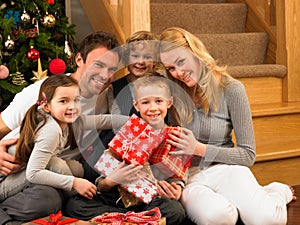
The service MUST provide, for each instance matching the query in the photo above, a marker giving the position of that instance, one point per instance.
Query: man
(97, 61)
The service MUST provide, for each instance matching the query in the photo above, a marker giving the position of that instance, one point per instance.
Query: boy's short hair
(152, 78)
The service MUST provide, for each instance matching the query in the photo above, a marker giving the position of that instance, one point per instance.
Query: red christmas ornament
(57, 66)
(33, 54)
(50, 1)
(4, 72)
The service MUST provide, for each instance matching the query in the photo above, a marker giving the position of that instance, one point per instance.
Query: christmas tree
(36, 40)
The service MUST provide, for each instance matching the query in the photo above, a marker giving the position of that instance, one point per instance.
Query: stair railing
(102, 17)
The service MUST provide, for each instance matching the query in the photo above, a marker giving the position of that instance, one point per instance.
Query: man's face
(98, 71)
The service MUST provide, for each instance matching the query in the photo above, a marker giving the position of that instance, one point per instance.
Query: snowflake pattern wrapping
(170, 165)
(135, 141)
(142, 188)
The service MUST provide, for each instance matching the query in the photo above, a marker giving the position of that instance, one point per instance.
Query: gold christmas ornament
(9, 44)
(25, 17)
(39, 74)
(49, 20)
(18, 78)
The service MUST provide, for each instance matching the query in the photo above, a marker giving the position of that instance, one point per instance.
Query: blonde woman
(220, 186)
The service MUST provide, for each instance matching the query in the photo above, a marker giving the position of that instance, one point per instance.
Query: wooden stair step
(273, 109)
(248, 48)
(188, 1)
(264, 83)
(277, 133)
(262, 90)
(199, 18)
(281, 170)
(277, 130)
(262, 70)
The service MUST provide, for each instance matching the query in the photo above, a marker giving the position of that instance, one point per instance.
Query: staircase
(221, 26)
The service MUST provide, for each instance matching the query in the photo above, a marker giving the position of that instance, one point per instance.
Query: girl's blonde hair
(206, 93)
(34, 116)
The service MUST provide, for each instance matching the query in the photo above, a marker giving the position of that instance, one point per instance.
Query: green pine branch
(50, 41)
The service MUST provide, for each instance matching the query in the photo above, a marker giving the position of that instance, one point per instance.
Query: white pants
(218, 194)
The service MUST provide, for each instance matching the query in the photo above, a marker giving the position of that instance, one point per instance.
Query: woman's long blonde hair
(206, 93)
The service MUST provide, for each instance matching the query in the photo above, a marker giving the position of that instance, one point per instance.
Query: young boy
(152, 100)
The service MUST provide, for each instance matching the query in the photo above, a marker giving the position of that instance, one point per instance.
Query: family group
(56, 129)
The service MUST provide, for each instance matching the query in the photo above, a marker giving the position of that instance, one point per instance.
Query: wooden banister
(101, 17)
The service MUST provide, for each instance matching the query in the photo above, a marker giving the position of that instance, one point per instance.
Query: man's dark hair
(96, 39)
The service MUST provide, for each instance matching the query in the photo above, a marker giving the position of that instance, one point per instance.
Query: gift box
(135, 141)
(57, 219)
(128, 198)
(143, 188)
(170, 165)
(152, 216)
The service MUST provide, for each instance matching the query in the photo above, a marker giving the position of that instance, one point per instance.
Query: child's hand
(84, 187)
(124, 174)
(172, 191)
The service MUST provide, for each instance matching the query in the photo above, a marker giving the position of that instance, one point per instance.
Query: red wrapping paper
(144, 188)
(135, 141)
(54, 219)
(144, 217)
(170, 165)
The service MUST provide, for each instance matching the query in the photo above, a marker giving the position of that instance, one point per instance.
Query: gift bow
(140, 218)
(55, 219)
(127, 144)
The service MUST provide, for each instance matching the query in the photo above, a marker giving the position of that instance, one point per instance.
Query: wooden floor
(294, 209)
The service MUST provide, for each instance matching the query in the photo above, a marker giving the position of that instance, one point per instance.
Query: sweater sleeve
(244, 151)
(103, 121)
(15, 112)
(47, 140)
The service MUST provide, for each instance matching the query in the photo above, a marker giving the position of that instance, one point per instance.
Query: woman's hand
(172, 191)
(185, 143)
(84, 187)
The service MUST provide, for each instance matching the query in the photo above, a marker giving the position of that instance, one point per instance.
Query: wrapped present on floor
(144, 188)
(128, 199)
(57, 219)
(135, 141)
(152, 216)
(170, 165)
